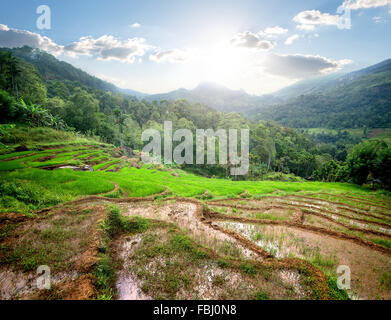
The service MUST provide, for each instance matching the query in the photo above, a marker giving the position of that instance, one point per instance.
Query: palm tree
(14, 72)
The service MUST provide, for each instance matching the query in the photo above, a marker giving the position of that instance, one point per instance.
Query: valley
(128, 230)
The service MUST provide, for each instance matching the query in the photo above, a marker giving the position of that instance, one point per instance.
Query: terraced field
(131, 231)
(325, 229)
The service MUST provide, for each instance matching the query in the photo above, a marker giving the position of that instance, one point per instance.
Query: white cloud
(14, 38)
(291, 39)
(172, 56)
(252, 41)
(277, 30)
(306, 27)
(108, 48)
(315, 17)
(299, 66)
(105, 47)
(365, 4)
(135, 25)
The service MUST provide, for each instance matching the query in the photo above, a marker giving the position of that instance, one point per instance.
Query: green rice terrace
(111, 227)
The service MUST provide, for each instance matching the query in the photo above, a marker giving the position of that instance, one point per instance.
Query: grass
(334, 292)
(261, 295)
(270, 216)
(135, 182)
(101, 165)
(248, 268)
(168, 263)
(53, 242)
(64, 185)
(385, 280)
(383, 242)
(113, 225)
(324, 263)
(67, 184)
(179, 252)
(24, 188)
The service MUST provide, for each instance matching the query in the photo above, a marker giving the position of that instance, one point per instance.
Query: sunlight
(222, 64)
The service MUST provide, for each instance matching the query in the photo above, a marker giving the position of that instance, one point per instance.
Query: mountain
(134, 93)
(357, 99)
(51, 68)
(306, 86)
(218, 97)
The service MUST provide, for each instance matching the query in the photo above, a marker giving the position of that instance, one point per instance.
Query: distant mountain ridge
(356, 99)
(218, 97)
(359, 98)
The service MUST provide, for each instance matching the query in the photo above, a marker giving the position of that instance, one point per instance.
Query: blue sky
(258, 46)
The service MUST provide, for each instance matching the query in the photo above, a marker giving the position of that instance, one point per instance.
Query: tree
(56, 106)
(7, 106)
(369, 159)
(80, 111)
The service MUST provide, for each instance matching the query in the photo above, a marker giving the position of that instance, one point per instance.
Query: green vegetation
(54, 244)
(55, 115)
(64, 185)
(248, 268)
(383, 242)
(385, 280)
(76, 101)
(261, 295)
(334, 292)
(116, 223)
(112, 226)
(356, 100)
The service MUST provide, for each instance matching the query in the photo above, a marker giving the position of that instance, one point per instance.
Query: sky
(157, 46)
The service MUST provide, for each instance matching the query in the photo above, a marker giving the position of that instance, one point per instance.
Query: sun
(222, 64)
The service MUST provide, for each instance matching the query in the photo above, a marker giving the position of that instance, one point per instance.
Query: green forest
(38, 90)
(356, 100)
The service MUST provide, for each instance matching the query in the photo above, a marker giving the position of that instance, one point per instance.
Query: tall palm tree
(14, 71)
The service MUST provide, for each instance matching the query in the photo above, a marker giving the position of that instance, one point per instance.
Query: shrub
(261, 295)
(248, 268)
(116, 223)
(334, 291)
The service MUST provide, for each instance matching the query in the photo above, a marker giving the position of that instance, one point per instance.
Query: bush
(248, 268)
(116, 223)
(386, 280)
(334, 291)
(22, 192)
(261, 295)
(279, 176)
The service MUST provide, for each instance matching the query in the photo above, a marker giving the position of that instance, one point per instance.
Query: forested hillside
(54, 71)
(29, 95)
(358, 99)
(40, 90)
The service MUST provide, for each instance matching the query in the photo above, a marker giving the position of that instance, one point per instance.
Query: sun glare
(222, 64)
